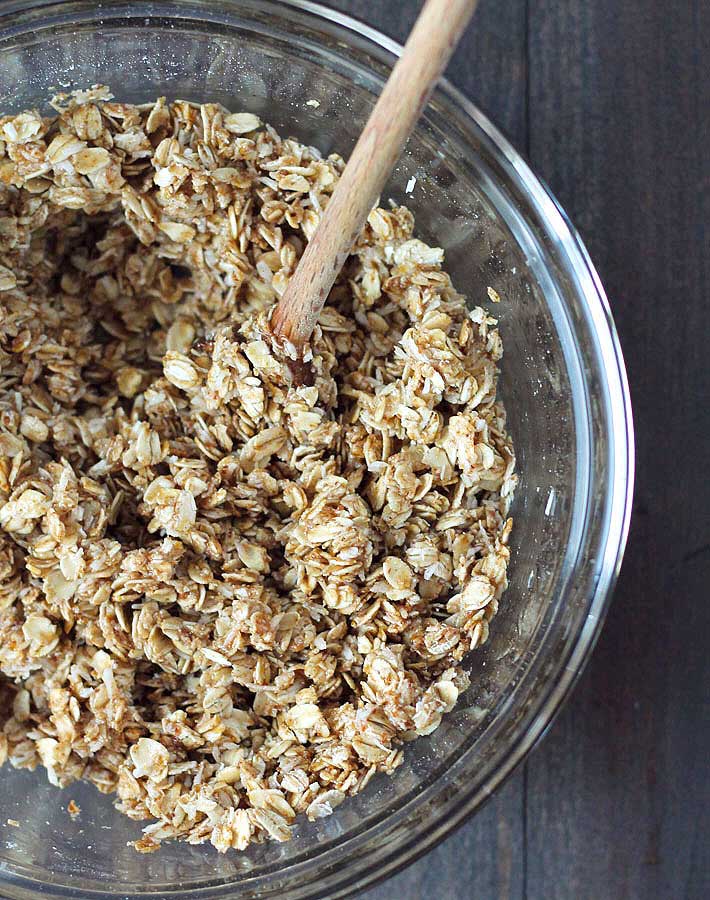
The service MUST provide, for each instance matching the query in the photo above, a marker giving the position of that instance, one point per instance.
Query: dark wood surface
(610, 101)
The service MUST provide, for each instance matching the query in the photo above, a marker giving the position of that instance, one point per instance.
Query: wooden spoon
(428, 50)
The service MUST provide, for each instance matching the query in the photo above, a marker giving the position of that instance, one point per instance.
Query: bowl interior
(313, 79)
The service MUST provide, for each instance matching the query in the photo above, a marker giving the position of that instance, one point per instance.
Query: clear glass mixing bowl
(563, 382)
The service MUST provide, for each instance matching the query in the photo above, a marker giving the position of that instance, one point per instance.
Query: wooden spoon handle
(426, 53)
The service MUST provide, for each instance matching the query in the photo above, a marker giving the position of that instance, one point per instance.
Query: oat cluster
(226, 599)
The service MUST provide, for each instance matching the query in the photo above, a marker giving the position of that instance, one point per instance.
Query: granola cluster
(224, 598)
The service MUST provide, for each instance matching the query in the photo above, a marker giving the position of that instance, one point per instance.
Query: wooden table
(610, 101)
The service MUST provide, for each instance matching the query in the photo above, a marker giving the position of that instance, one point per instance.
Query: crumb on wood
(494, 295)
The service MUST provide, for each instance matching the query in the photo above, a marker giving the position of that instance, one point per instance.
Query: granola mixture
(226, 599)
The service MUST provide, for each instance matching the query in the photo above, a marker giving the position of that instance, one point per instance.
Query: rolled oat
(223, 598)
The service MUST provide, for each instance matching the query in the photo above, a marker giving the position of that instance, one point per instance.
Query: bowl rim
(618, 488)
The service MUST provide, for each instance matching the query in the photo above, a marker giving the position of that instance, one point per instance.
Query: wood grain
(614, 805)
(619, 794)
(426, 53)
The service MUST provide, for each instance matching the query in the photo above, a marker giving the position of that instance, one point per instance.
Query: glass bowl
(563, 383)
